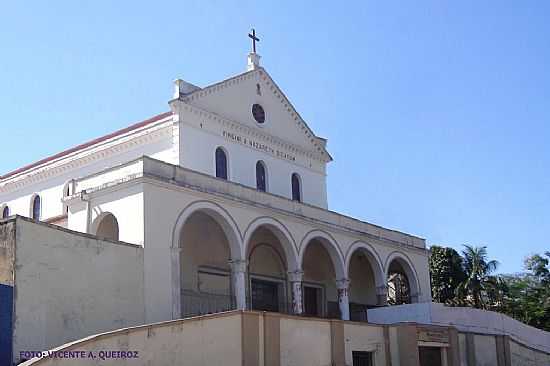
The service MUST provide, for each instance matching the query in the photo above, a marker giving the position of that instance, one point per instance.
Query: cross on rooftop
(254, 39)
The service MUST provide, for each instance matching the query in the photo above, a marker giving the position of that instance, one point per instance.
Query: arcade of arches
(266, 272)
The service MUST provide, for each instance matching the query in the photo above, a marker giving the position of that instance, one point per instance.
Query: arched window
(221, 163)
(5, 212)
(296, 189)
(107, 226)
(261, 180)
(36, 207)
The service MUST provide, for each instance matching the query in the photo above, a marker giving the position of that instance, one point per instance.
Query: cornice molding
(104, 150)
(222, 198)
(252, 132)
(262, 74)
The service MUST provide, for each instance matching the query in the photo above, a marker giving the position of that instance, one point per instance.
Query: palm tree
(478, 270)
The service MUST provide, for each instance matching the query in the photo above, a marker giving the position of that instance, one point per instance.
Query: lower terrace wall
(70, 285)
(249, 338)
(465, 320)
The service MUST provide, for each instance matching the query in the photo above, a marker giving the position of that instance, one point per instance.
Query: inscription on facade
(243, 140)
(432, 335)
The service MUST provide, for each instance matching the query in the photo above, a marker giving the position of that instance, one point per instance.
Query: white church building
(218, 204)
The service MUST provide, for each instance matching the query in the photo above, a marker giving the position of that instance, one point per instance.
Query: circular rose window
(258, 113)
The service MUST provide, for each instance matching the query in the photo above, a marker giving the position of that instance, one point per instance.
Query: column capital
(382, 290)
(238, 265)
(342, 284)
(295, 276)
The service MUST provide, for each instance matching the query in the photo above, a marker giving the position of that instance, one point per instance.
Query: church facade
(225, 195)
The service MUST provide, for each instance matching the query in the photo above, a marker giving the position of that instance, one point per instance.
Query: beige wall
(236, 339)
(364, 337)
(248, 338)
(297, 336)
(70, 285)
(524, 356)
(153, 200)
(203, 245)
(362, 285)
(485, 350)
(7, 251)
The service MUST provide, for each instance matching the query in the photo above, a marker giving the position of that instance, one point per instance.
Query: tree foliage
(478, 269)
(447, 273)
(469, 280)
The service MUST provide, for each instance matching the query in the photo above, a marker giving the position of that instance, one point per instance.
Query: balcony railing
(200, 303)
(196, 303)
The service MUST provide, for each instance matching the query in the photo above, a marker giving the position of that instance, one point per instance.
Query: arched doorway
(268, 290)
(401, 281)
(366, 281)
(271, 254)
(325, 285)
(206, 253)
(106, 226)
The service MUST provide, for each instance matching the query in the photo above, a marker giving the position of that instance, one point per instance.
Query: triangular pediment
(233, 99)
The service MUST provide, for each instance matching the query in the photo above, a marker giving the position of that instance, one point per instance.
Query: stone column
(295, 278)
(238, 274)
(343, 297)
(382, 295)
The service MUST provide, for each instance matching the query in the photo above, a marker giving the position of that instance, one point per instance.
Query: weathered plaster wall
(166, 205)
(523, 356)
(270, 339)
(485, 350)
(194, 342)
(7, 257)
(7, 251)
(465, 320)
(70, 285)
(366, 338)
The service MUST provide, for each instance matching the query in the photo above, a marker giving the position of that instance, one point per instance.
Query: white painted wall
(197, 153)
(70, 285)
(51, 188)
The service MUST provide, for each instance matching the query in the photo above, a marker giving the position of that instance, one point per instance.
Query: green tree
(528, 295)
(479, 281)
(446, 273)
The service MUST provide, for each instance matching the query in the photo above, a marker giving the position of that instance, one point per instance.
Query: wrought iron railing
(196, 303)
(279, 306)
(200, 303)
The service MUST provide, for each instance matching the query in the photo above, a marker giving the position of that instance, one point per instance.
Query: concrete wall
(7, 276)
(269, 339)
(524, 356)
(69, 285)
(465, 320)
(234, 339)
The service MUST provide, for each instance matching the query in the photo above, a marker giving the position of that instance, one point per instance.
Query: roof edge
(95, 141)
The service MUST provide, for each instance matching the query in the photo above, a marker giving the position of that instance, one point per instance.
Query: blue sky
(437, 113)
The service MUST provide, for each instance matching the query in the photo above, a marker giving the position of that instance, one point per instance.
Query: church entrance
(205, 270)
(430, 356)
(362, 288)
(267, 272)
(313, 300)
(265, 295)
(320, 293)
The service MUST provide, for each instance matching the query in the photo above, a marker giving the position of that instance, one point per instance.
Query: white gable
(233, 99)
